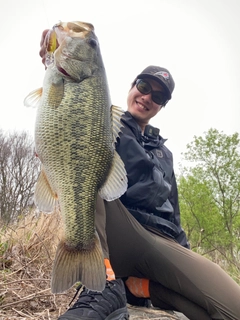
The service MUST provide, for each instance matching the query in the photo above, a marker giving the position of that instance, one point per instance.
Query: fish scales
(75, 131)
(81, 124)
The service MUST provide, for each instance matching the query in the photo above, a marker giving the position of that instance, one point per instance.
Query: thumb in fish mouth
(72, 29)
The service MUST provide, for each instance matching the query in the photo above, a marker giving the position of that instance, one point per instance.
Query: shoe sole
(120, 314)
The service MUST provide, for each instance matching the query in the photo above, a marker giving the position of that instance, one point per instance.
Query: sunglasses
(157, 96)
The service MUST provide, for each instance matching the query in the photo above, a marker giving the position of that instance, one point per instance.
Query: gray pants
(180, 279)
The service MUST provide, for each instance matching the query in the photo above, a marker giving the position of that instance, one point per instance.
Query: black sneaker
(110, 304)
(135, 301)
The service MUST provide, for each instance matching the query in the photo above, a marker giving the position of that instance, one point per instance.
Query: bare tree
(18, 173)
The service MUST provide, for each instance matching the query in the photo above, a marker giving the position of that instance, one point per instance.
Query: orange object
(138, 287)
(109, 271)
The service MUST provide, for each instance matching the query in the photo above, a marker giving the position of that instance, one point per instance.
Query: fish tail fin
(72, 265)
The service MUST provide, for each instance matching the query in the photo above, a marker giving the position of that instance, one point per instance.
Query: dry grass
(26, 257)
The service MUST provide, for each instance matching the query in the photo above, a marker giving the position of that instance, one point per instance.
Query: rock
(142, 313)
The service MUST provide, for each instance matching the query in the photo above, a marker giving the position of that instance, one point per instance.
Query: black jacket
(152, 196)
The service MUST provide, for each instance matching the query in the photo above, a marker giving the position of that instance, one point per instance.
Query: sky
(198, 41)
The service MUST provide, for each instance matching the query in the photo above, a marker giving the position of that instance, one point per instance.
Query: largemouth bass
(75, 133)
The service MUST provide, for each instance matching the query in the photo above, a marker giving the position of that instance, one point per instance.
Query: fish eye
(93, 43)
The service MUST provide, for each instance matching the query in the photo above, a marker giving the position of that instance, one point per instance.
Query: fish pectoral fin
(72, 265)
(116, 115)
(44, 197)
(116, 184)
(33, 98)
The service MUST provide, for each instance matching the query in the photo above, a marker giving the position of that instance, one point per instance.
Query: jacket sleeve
(173, 198)
(147, 188)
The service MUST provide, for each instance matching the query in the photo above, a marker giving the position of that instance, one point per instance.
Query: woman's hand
(43, 45)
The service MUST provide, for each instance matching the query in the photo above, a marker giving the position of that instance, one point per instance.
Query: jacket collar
(128, 119)
(131, 122)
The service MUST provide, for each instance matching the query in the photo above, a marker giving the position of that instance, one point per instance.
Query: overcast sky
(197, 40)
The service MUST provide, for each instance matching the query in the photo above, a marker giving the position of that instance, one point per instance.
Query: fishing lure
(51, 40)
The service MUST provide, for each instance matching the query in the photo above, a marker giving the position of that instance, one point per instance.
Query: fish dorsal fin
(116, 114)
(116, 184)
(33, 98)
(44, 197)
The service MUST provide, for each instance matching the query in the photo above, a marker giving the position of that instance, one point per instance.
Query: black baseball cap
(160, 75)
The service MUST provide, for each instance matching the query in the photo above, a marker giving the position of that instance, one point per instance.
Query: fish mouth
(74, 29)
(61, 70)
(70, 77)
(60, 65)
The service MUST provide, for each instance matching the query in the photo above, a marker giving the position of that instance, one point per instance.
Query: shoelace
(86, 297)
(79, 287)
